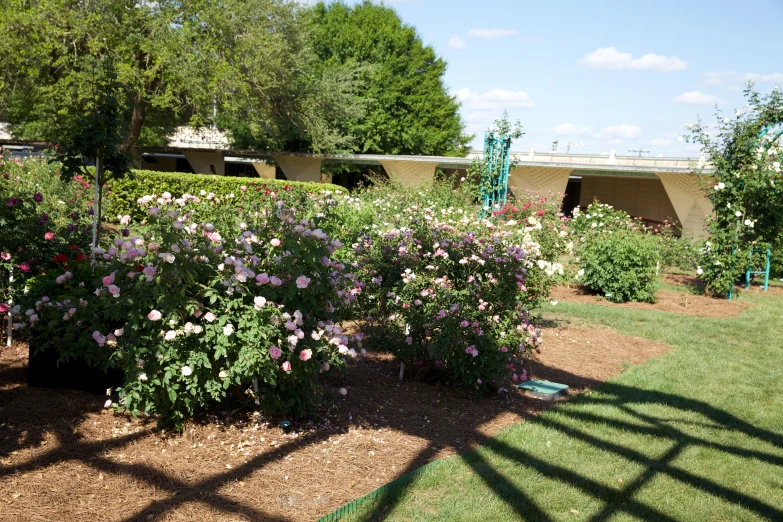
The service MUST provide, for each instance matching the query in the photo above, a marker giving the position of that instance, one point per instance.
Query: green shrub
(124, 193)
(621, 265)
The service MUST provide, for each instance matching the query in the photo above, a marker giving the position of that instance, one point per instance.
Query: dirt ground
(64, 458)
(666, 300)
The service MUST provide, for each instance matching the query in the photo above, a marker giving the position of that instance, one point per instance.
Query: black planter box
(44, 372)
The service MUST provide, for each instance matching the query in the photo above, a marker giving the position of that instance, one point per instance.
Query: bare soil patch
(666, 301)
(64, 458)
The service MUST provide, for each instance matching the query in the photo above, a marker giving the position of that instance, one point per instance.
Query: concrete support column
(200, 161)
(265, 170)
(688, 200)
(298, 168)
(540, 179)
(410, 173)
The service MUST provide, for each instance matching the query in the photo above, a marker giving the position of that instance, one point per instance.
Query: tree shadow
(463, 424)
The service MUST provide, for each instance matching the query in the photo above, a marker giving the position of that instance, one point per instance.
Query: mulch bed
(695, 282)
(64, 458)
(666, 301)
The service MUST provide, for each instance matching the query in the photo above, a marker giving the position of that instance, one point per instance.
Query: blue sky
(602, 75)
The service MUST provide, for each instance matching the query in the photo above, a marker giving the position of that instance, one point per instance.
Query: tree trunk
(136, 123)
(96, 206)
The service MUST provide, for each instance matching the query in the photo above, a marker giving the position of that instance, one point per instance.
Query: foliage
(621, 265)
(408, 108)
(248, 62)
(745, 186)
(189, 310)
(41, 217)
(124, 193)
(682, 252)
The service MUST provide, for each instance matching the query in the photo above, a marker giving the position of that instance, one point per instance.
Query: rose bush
(189, 310)
(453, 298)
(43, 224)
(745, 152)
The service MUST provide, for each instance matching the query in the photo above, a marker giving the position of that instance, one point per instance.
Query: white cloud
(455, 42)
(765, 78)
(697, 98)
(620, 131)
(610, 58)
(571, 129)
(497, 32)
(661, 142)
(494, 100)
(734, 81)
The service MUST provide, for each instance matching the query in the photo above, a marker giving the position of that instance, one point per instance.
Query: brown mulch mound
(666, 301)
(64, 458)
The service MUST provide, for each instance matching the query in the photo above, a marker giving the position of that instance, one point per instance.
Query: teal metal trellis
(750, 270)
(494, 177)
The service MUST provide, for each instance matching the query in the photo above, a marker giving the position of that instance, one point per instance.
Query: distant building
(654, 189)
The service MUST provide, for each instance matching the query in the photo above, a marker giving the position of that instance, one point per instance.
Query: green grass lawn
(695, 435)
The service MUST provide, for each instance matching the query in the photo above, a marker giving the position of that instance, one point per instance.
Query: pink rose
(302, 282)
(49, 236)
(275, 242)
(275, 352)
(154, 315)
(262, 279)
(286, 366)
(3, 308)
(109, 279)
(305, 355)
(5, 256)
(209, 316)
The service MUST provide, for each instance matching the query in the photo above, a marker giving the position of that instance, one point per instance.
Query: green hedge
(123, 193)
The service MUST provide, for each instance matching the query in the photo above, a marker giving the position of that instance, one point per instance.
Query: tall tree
(408, 109)
(243, 65)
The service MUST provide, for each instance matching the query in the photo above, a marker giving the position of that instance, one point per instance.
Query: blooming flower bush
(745, 153)
(189, 309)
(454, 299)
(43, 224)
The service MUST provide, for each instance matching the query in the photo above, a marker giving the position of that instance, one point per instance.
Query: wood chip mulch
(64, 458)
(666, 301)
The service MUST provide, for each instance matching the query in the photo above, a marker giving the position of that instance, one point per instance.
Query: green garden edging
(352, 507)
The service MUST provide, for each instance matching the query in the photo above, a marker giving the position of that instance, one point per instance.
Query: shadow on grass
(614, 501)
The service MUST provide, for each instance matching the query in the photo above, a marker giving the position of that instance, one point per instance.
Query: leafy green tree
(93, 127)
(409, 110)
(243, 65)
